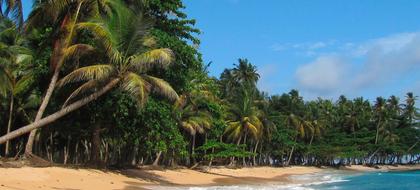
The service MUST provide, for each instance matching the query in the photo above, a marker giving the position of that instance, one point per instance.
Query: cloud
(368, 66)
(302, 47)
(269, 72)
(323, 75)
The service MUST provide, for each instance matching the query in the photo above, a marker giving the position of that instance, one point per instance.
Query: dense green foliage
(150, 46)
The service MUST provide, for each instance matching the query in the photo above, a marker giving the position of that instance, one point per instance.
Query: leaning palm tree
(130, 57)
(63, 17)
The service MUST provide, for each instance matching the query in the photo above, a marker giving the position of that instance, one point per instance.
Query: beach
(139, 179)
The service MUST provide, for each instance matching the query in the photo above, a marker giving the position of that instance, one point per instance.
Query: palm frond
(136, 86)
(101, 33)
(154, 58)
(76, 50)
(94, 72)
(88, 86)
(162, 87)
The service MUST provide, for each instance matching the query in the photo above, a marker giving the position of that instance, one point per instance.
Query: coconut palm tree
(130, 57)
(14, 67)
(379, 109)
(245, 73)
(191, 115)
(244, 118)
(63, 16)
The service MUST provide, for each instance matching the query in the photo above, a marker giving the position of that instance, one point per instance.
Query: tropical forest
(122, 83)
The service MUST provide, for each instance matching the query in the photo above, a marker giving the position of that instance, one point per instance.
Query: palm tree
(63, 16)
(410, 111)
(14, 66)
(245, 73)
(191, 115)
(244, 118)
(380, 110)
(126, 42)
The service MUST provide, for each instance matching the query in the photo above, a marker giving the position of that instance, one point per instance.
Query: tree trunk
(95, 158)
(243, 158)
(56, 62)
(377, 131)
(156, 162)
(9, 125)
(193, 150)
(232, 159)
(57, 115)
(41, 110)
(255, 153)
(290, 155)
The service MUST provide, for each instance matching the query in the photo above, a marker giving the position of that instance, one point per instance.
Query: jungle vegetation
(122, 83)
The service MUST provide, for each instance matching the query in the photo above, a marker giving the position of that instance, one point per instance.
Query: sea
(343, 180)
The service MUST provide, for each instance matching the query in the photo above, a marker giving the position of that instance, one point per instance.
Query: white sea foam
(299, 182)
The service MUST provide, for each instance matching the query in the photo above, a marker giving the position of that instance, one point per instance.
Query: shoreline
(143, 178)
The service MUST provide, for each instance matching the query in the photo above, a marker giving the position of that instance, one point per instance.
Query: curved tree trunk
(156, 162)
(56, 63)
(9, 125)
(41, 110)
(57, 115)
(254, 161)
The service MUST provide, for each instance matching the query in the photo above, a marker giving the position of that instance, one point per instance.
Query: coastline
(141, 179)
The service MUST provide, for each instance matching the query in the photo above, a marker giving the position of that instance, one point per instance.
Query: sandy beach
(28, 178)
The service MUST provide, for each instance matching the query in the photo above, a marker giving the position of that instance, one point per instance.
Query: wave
(298, 182)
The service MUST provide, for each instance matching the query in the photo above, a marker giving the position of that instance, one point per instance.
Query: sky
(323, 48)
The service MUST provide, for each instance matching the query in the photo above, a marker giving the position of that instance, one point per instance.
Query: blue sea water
(340, 180)
(409, 180)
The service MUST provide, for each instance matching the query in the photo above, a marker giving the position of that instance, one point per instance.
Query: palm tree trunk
(291, 153)
(9, 124)
(156, 162)
(95, 158)
(377, 131)
(255, 153)
(243, 158)
(232, 159)
(57, 66)
(193, 149)
(57, 115)
(41, 110)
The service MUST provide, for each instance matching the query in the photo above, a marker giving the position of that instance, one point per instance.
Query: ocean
(342, 180)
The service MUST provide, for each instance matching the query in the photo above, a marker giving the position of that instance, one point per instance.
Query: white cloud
(369, 65)
(302, 47)
(323, 75)
(267, 73)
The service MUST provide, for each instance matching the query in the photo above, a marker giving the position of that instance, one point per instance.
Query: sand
(28, 178)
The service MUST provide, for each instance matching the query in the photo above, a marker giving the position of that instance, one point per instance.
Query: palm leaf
(76, 50)
(162, 87)
(88, 86)
(94, 72)
(136, 86)
(154, 58)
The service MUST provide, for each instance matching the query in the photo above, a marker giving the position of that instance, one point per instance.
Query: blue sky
(322, 47)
